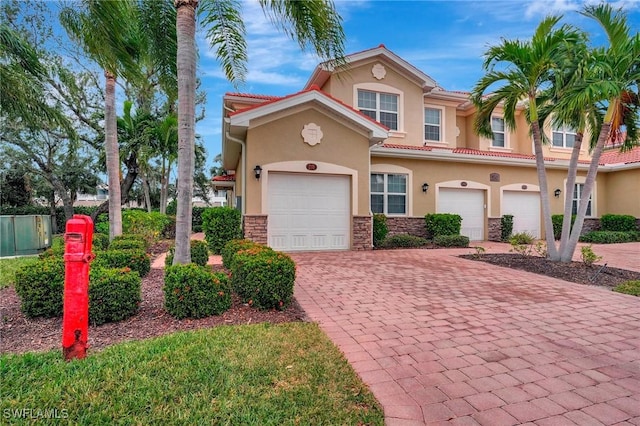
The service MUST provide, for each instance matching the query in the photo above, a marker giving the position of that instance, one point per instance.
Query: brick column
(255, 228)
(495, 229)
(416, 226)
(362, 233)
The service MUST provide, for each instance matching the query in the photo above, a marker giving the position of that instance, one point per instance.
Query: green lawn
(8, 268)
(256, 375)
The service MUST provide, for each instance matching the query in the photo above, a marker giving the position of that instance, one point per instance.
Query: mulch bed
(576, 272)
(21, 334)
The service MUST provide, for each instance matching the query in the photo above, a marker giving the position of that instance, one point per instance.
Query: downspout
(244, 169)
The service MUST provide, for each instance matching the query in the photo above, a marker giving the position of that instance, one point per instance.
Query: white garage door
(525, 208)
(468, 203)
(308, 212)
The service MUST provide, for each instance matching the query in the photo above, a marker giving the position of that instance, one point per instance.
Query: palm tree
(529, 71)
(104, 30)
(314, 24)
(611, 85)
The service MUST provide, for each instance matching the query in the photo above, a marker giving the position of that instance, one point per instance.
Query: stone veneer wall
(255, 228)
(590, 224)
(495, 229)
(407, 225)
(362, 233)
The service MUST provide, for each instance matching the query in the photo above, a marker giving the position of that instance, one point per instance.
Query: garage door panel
(525, 208)
(469, 204)
(308, 212)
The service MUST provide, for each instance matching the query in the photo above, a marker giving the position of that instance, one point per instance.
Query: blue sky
(444, 39)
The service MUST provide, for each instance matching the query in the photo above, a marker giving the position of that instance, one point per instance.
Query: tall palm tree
(314, 24)
(529, 71)
(104, 30)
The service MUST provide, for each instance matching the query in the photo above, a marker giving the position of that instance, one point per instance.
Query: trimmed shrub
(148, 225)
(127, 244)
(618, 223)
(380, 229)
(506, 224)
(135, 259)
(232, 247)
(403, 240)
(114, 294)
(220, 225)
(608, 237)
(196, 218)
(100, 241)
(40, 286)
(191, 291)
(263, 278)
(556, 220)
(169, 231)
(443, 224)
(199, 253)
(101, 224)
(629, 287)
(451, 241)
(131, 237)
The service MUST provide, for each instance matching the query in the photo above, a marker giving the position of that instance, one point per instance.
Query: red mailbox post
(77, 256)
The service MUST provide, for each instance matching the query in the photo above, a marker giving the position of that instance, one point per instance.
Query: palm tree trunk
(568, 192)
(52, 212)
(113, 157)
(552, 251)
(145, 190)
(186, 61)
(587, 190)
(163, 189)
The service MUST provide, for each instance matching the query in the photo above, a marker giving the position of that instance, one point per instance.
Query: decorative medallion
(378, 71)
(494, 177)
(312, 134)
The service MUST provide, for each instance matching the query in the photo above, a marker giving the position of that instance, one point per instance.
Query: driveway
(440, 339)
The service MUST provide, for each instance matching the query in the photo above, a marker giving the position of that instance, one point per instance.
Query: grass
(8, 268)
(263, 374)
(629, 287)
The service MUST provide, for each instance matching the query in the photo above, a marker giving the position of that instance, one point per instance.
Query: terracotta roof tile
(253, 96)
(467, 151)
(614, 156)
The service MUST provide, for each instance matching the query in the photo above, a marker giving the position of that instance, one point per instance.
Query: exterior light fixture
(257, 170)
(425, 186)
(557, 192)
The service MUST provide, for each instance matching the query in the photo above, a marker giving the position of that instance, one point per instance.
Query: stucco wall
(623, 192)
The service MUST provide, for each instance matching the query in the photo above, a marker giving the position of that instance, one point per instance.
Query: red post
(77, 256)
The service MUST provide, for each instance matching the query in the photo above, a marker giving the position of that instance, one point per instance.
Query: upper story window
(499, 135)
(382, 107)
(389, 193)
(563, 136)
(577, 196)
(433, 124)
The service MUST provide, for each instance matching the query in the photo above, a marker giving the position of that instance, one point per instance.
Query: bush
(588, 256)
(100, 241)
(131, 237)
(506, 223)
(114, 294)
(629, 287)
(40, 286)
(169, 231)
(608, 237)
(101, 224)
(135, 259)
(196, 218)
(192, 291)
(199, 253)
(618, 223)
(220, 225)
(264, 278)
(451, 241)
(522, 243)
(126, 244)
(380, 229)
(556, 220)
(149, 225)
(403, 240)
(443, 224)
(232, 247)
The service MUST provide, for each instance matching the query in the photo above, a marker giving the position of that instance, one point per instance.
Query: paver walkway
(442, 339)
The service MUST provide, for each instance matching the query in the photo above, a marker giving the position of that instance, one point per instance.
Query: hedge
(609, 237)
(114, 294)
(380, 229)
(451, 241)
(506, 225)
(443, 224)
(40, 286)
(220, 225)
(556, 220)
(403, 240)
(127, 244)
(618, 223)
(192, 291)
(135, 259)
(199, 253)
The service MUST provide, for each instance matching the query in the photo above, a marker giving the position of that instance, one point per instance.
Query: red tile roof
(224, 178)
(253, 96)
(614, 156)
(467, 151)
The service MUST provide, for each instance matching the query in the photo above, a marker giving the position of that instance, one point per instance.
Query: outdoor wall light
(257, 170)
(557, 192)
(425, 186)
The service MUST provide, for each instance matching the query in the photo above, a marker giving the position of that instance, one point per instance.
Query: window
(382, 107)
(577, 196)
(432, 124)
(388, 193)
(563, 136)
(497, 125)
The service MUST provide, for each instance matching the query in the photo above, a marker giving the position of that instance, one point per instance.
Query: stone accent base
(590, 224)
(407, 225)
(495, 229)
(362, 238)
(255, 228)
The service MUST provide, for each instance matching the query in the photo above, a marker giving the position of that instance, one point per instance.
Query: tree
(529, 71)
(314, 24)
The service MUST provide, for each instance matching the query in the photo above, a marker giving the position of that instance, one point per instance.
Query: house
(307, 170)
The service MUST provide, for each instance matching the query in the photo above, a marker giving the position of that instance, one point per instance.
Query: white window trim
(442, 124)
(383, 88)
(594, 194)
(395, 170)
(564, 133)
(507, 145)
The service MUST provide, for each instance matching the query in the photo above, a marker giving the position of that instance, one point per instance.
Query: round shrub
(199, 253)
(403, 240)
(192, 291)
(114, 294)
(135, 259)
(380, 229)
(127, 245)
(264, 278)
(451, 241)
(40, 286)
(443, 224)
(220, 225)
(232, 247)
(100, 241)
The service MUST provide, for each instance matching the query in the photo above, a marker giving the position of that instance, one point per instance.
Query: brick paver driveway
(442, 339)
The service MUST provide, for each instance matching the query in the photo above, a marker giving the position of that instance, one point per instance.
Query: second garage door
(468, 203)
(309, 212)
(525, 208)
